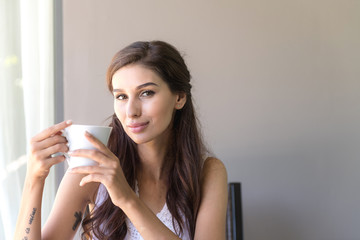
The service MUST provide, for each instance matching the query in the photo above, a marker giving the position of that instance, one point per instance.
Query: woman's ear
(180, 101)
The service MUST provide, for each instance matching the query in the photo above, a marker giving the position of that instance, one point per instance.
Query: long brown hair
(184, 151)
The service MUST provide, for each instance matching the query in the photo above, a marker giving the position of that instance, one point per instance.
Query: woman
(152, 180)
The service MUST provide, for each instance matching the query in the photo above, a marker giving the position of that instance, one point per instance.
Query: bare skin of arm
(210, 223)
(71, 199)
(69, 207)
(42, 146)
(66, 214)
(29, 219)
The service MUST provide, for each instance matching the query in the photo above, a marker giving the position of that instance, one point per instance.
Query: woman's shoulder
(213, 164)
(213, 169)
(214, 198)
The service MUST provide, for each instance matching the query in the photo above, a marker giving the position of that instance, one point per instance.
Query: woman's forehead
(134, 74)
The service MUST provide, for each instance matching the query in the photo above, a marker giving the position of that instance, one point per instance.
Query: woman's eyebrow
(147, 84)
(138, 87)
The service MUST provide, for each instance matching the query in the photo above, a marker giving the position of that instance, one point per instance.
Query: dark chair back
(234, 220)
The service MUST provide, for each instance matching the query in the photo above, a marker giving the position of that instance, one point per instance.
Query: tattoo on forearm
(78, 218)
(32, 215)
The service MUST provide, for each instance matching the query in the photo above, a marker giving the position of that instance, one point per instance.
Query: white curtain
(26, 98)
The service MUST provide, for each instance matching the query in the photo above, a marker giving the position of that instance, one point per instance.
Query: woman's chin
(139, 139)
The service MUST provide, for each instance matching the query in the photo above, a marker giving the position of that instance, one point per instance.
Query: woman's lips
(137, 127)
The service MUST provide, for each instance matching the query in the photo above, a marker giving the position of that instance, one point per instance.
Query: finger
(93, 154)
(54, 160)
(86, 169)
(59, 133)
(91, 178)
(98, 144)
(48, 142)
(60, 147)
(51, 131)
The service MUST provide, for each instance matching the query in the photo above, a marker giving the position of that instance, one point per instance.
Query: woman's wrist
(128, 201)
(33, 183)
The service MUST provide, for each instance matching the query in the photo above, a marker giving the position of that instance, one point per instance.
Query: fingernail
(87, 133)
(69, 122)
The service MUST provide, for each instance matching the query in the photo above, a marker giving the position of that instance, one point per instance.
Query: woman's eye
(147, 93)
(120, 97)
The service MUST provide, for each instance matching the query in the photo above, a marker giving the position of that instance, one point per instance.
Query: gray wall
(276, 84)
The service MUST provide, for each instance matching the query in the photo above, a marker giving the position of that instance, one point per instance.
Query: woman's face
(143, 103)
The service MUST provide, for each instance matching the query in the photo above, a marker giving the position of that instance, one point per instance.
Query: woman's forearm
(28, 225)
(41, 159)
(146, 222)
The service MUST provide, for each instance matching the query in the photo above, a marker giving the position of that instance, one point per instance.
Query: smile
(137, 127)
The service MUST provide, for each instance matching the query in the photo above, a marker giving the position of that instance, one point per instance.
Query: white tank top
(164, 216)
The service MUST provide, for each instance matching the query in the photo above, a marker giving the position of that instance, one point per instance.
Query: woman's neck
(152, 156)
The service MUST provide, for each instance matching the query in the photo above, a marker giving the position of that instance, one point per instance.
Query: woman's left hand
(108, 171)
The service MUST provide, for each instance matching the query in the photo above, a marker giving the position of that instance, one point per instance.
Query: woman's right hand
(42, 146)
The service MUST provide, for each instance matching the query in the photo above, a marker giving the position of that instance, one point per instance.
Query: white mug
(75, 135)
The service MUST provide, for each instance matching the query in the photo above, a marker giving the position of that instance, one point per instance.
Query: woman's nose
(133, 108)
